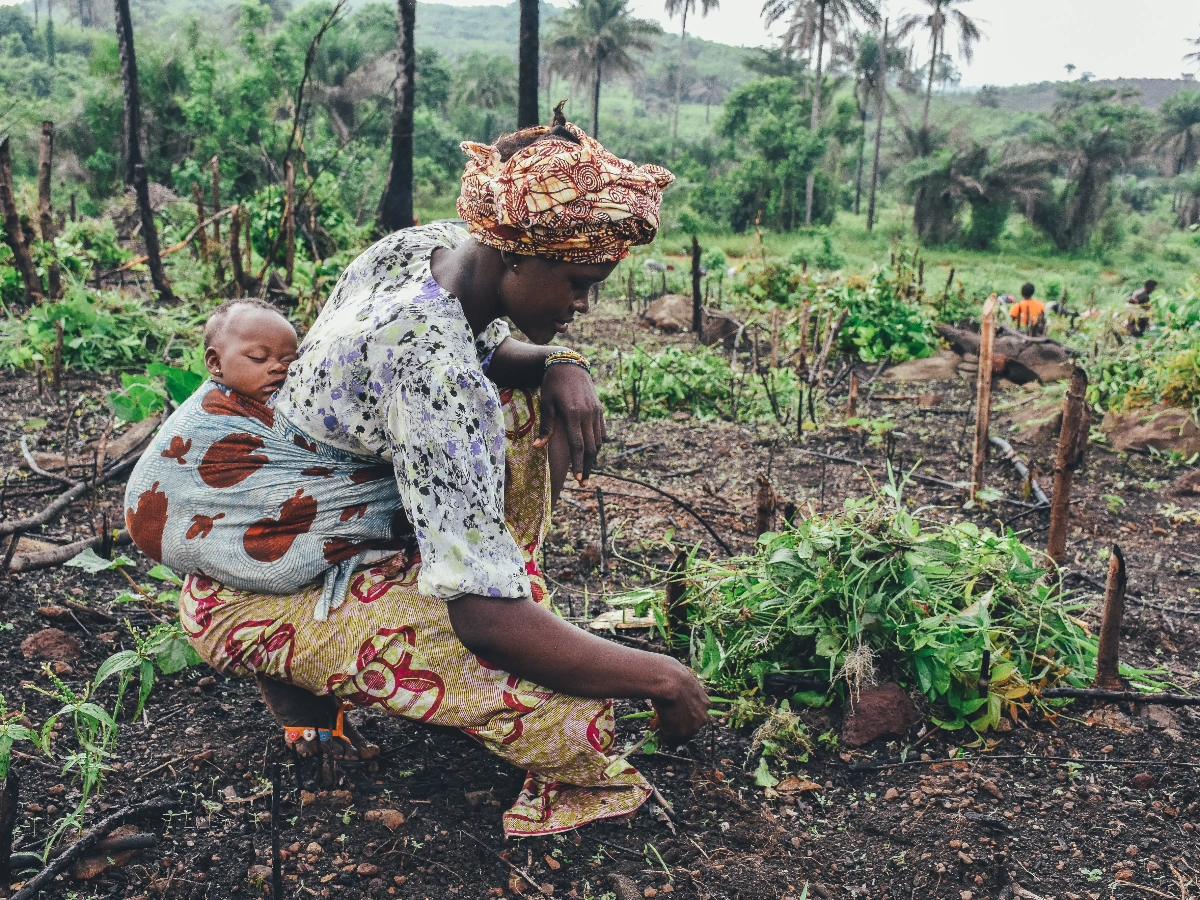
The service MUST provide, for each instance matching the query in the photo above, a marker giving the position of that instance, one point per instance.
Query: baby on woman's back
(248, 346)
(231, 490)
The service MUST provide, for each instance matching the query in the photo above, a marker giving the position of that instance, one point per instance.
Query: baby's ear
(212, 361)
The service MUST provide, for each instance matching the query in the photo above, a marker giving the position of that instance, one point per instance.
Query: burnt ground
(1094, 803)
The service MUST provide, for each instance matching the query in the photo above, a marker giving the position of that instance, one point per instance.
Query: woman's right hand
(684, 711)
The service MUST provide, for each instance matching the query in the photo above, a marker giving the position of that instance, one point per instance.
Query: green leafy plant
(11, 731)
(95, 733)
(876, 589)
(101, 331)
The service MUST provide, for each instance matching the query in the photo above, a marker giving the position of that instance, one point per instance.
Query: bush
(101, 332)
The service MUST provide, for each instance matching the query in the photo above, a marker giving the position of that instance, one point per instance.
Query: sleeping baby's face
(251, 352)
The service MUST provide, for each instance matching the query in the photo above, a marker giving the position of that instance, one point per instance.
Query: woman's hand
(569, 401)
(685, 712)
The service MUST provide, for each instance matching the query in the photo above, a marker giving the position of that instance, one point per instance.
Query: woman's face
(542, 296)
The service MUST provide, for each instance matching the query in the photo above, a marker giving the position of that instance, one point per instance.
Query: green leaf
(181, 383)
(812, 698)
(162, 573)
(762, 775)
(91, 562)
(176, 656)
(116, 664)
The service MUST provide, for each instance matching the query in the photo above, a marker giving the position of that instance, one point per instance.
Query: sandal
(292, 734)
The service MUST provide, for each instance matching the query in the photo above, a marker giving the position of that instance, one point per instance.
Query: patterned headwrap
(561, 200)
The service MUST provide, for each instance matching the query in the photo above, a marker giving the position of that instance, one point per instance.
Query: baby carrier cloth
(233, 491)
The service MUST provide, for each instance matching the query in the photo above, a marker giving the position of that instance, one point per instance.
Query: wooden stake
(1068, 457)
(10, 796)
(235, 251)
(676, 589)
(46, 207)
(56, 374)
(216, 196)
(276, 826)
(249, 248)
(775, 338)
(802, 350)
(72, 207)
(14, 235)
(983, 393)
(1108, 655)
(218, 258)
(603, 532)
(201, 234)
(289, 223)
(697, 300)
(852, 405)
(764, 520)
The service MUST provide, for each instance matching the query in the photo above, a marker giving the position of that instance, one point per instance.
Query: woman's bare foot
(294, 706)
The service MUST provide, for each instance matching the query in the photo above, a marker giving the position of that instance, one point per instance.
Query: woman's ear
(509, 259)
(212, 361)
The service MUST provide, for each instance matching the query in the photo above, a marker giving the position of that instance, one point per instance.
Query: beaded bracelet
(567, 356)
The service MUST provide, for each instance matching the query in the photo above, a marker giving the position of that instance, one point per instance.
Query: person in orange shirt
(1029, 312)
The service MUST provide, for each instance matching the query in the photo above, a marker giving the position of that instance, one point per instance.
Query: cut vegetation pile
(876, 591)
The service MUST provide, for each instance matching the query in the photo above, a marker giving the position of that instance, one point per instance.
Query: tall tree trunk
(679, 75)
(158, 278)
(816, 113)
(928, 95)
(133, 148)
(14, 235)
(396, 207)
(289, 223)
(878, 128)
(527, 103)
(46, 208)
(862, 150)
(596, 100)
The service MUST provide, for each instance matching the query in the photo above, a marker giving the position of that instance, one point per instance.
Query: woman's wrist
(565, 356)
(669, 679)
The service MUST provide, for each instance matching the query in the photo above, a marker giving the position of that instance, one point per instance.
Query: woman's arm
(531, 642)
(569, 399)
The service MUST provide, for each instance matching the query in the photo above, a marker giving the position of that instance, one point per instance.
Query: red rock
(368, 870)
(1143, 781)
(51, 643)
(878, 711)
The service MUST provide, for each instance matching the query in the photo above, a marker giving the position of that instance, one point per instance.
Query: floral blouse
(392, 369)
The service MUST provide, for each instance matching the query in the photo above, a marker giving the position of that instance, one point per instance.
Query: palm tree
(1180, 136)
(488, 83)
(396, 205)
(708, 90)
(941, 16)
(829, 16)
(682, 8)
(527, 105)
(595, 37)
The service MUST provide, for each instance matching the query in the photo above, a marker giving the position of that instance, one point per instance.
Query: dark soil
(1081, 806)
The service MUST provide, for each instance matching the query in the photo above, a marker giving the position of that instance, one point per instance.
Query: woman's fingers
(684, 715)
(546, 425)
(578, 448)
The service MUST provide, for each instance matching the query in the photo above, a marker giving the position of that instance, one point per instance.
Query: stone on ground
(884, 710)
(1167, 429)
(53, 644)
(671, 313)
(942, 366)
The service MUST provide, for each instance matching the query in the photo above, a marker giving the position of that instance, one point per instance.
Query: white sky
(1026, 40)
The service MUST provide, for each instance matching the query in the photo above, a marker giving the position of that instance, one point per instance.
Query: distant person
(1029, 312)
(1139, 319)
